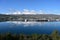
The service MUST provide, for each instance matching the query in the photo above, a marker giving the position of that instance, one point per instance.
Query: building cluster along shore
(30, 17)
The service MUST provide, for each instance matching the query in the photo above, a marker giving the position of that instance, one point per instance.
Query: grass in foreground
(54, 36)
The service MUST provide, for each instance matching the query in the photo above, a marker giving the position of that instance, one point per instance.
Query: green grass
(53, 36)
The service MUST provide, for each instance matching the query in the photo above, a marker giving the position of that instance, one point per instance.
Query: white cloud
(25, 11)
(41, 12)
(33, 12)
(17, 12)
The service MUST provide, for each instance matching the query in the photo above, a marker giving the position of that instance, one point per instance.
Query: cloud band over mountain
(25, 11)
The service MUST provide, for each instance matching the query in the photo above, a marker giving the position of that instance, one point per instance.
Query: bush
(9, 36)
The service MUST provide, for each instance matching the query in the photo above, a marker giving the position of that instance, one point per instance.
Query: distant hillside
(29, 16)
(38, 16)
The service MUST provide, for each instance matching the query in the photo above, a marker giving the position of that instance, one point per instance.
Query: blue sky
(48, 6)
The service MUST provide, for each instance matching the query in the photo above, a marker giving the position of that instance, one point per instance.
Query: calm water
(29, 27)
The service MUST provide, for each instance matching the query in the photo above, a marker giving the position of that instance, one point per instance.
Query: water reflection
(29, 27)
(25, 24)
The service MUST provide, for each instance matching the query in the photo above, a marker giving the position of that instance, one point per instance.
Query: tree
(8, 36)
(55, 35)
(15, 37)
(34, 36)
(21, 37)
